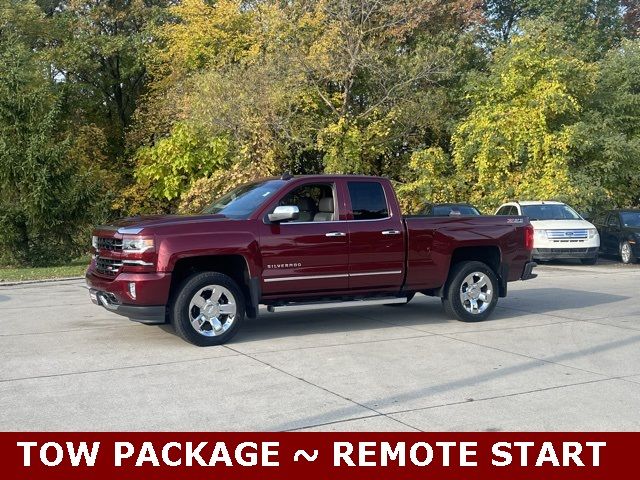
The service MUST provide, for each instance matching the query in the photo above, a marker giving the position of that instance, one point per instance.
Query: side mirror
(284, 213)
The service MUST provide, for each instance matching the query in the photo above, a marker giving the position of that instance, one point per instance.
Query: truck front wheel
(208, 309)
(471, 292)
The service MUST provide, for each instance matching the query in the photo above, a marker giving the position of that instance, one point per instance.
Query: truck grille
(567, 235)
(108, 266)
(567, 250)
(111, 244)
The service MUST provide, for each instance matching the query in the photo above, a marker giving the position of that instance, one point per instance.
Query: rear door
(376, 236)
(309, 255)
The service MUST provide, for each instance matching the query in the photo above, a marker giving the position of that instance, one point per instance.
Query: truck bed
(432, 242)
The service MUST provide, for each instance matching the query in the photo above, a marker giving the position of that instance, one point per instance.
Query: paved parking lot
(562, 352)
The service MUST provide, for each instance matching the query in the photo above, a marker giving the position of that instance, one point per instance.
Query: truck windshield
(631, 219)
(550, 212)
(242, 201)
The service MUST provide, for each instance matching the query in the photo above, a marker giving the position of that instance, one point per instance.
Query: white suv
(559, 232)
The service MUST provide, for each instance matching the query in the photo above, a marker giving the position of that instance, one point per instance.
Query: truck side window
(368, 201)
(503, 210)
(315, 202)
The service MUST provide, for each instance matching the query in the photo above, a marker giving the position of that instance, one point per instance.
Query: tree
(47, 197)
(517, 140)
(607, 140)
(100, 56)
(594, 26)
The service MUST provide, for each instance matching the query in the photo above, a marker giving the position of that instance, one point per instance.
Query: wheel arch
(490, 255)
(235, 266)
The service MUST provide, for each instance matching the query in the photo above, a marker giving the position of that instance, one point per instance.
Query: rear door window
(368, 201)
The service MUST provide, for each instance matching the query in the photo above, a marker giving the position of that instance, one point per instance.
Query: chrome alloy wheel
(625, 252)
(476, 292)
(212, 310)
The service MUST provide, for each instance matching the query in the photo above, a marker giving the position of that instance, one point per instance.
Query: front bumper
(561, 253)
(149, 304)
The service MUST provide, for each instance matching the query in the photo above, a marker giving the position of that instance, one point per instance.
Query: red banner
(495, 455)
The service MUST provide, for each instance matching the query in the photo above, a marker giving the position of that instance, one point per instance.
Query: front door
(310, 254)
(612, 233)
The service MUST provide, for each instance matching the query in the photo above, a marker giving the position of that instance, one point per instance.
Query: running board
(292, 307)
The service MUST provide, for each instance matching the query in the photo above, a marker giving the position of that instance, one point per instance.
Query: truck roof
(327, 175)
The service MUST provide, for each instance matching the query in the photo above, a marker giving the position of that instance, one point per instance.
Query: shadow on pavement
(427, 391)
(423, 311)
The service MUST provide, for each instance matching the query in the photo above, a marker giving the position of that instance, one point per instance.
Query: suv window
(368, 201)
(507, 210)
(550, 211)
(613, 221)
(315, 201)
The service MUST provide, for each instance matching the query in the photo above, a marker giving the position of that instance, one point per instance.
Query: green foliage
(47, 198)
(173, 163)
(350, 148)
(151, 106)
(516, 141)
(607, 140)
(431, 177)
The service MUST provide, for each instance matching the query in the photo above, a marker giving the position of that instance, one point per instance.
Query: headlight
(94, 242)
(540, 234)
(137, 244)
(592, 232)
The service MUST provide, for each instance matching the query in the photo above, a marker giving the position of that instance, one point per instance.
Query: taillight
(528, 237)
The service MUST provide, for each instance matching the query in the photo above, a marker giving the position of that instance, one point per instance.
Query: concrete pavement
(560, 353)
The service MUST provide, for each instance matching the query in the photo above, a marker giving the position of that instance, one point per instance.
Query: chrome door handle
(335, 234)
(391, 232)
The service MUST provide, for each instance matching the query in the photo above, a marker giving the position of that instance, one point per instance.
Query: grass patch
(76, 268)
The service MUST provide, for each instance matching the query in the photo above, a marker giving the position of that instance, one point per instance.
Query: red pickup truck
(301, 242)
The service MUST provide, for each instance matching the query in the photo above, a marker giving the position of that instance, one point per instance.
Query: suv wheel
(471, 292)
(626, 253)
(208, 309)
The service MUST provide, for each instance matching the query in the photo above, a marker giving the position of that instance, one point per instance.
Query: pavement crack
(114, 369)
(508, 395)
(310, 383)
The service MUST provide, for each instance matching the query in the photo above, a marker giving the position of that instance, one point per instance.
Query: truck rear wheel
(208, 309)
(471, 292)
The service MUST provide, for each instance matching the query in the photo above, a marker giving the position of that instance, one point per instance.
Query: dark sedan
(449, 210)
(620, 233)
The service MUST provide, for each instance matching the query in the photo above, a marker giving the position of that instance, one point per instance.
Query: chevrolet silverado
(299, 243)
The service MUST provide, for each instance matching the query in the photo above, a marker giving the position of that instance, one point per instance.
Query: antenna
(286, 176)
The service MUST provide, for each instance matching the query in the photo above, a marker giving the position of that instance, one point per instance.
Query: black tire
(181, 312)
(631, 258)
(409, 298)
(452, 301)
(589, 261)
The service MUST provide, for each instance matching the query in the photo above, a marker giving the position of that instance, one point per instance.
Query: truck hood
(560, 224)
(151, 221)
